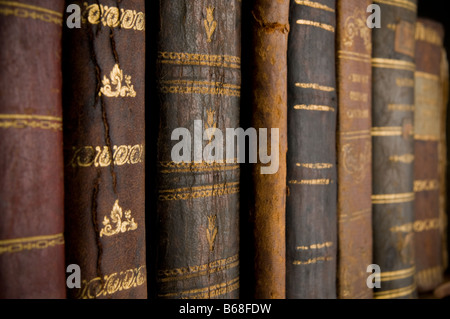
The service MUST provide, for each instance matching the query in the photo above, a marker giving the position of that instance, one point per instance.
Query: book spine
(199, 81)
(443, 170)
(428, 104)
(393, 148)
(269, 97)
(354, 150)
(104, 143)
(311, 222)
(31, 161)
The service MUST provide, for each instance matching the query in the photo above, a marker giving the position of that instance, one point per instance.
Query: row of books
(99, 101)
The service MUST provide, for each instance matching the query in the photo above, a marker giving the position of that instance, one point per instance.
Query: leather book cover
(311, 221)
(199, 86)
(270, 27)
(354, 148)
(104, 147)
(428, 105)
(31, 161)
(393, 66)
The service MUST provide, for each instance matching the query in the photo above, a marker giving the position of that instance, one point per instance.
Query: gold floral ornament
(210, 124)
(116, 224)
(116, 78)
(210, 23)
(211, 232)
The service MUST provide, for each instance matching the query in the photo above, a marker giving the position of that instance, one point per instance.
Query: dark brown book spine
(354, 74)
(199, 81)
(428, 105)
(31, 161)
(393, 148)
(269, 89)
(311, 226)
(443, 169)
(104, 141)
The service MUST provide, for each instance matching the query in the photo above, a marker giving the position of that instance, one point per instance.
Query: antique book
(199, 80)
(104, 145)
(31, 162)
(427, 134)
(393, 148)
(311, 221)
(354, 149)
(443, 170)
(270, 27)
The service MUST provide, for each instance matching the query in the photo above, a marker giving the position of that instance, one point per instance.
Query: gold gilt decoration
(210, 123)
(355, 27)
(113, 283)
(211, 232)
(104, 156)
(113, 17)
(210, 23)
(355, 161)
(19, 121)
(30, 243)
(116, 78)
(28, 11)
(116, 224)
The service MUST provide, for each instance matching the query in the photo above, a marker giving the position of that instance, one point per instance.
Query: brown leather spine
(428, 108)
(31, 161)
(104, 141)
(269, 73)
(311, 226)
(443, 170)
(393, 148)
(199, 78)
(354, 148)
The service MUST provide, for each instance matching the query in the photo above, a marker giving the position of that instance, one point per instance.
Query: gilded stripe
(315, 246)
(207, 292)
(399, 3)
(30, 117)
(199, 270)
(393, 64)
(321, 108)
(316, 24)
(392, 198)
(204, 83)
(315, 165)
(397, 274)
(357, 54)
(428, 76)
(427, 138)
(199, 192)
(315, 5)
(387, 131)
(30, 243)
(30, 7)
(323, 181)
(197, 59)
(315, 86)
(395, 293)
(312, 261)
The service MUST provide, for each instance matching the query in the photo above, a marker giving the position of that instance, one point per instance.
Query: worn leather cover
(311, 225)
(104, 142)
(269, 96)
(393, 148)
(354, 148)
(428, 107)
(199, 78)
(31, 161)
(443, 169)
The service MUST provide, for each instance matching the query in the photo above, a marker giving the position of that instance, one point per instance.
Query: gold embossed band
(397, 274)
(392, 198)
(315, 86)
(199, 87)
(405, 4)
(315, 5)
(113, 283)
(207, 292)
(393, 64)
(312, 107)
(19, 121)
(30, 243)
(113, 17)
(27, 11)
(199, 191)
(316, 24)
(173, 167)
(395, 293)
(197, 59)
(199, 270)
(104, 156)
